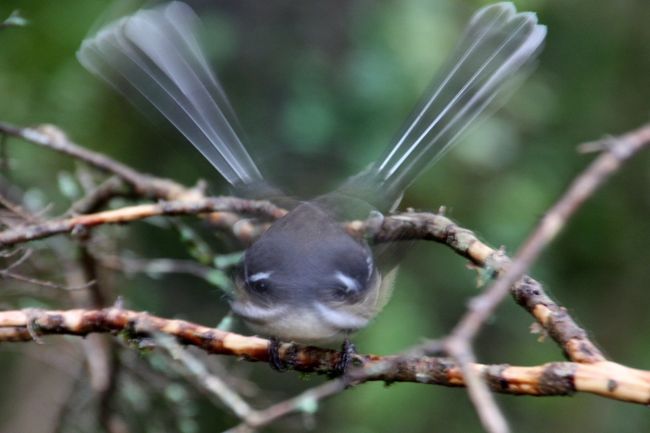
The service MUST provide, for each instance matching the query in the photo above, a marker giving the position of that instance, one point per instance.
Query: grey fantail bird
(306, 279)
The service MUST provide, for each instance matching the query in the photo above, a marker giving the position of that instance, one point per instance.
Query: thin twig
(8, 273)
(17, 210)
(486, 406)
(51, 137)
(203, 378)
(131, 265)
(98, 197)
(79, 223)
(42, 283)
(306, 402)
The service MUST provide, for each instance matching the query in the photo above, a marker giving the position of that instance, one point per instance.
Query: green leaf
(226, 324)
(225, 261)
(196, 247)
(15, 20)
(220, 279)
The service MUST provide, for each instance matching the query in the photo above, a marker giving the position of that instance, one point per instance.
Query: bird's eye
(346, 294)
(341, 293)
(346, 288)
(259, 282)
(259, 286)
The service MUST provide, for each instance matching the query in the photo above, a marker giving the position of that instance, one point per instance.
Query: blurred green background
(320, 88)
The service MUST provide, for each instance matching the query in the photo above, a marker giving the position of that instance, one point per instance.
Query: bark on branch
(604, 378)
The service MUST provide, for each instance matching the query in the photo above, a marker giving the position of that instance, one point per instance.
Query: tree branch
(214, 206)
(607, 379)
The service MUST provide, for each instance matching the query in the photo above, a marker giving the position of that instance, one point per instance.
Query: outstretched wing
(497, 43)
(154, 54)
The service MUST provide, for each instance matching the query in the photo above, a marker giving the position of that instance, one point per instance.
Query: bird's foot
(348, 350)
(275, 361)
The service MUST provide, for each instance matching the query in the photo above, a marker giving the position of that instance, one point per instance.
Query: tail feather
(154, 54)
(497, 43)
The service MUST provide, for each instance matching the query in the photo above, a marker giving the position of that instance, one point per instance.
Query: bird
(306, 279)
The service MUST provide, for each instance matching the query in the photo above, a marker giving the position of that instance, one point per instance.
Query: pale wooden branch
(80, 223)
(528, 292)
(604, 378)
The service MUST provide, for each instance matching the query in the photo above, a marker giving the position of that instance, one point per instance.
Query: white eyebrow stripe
(350, 283)
(259, 276)
(340, 319)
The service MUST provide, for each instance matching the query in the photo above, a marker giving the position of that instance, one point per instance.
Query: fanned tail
(154, 54)
(497, 43)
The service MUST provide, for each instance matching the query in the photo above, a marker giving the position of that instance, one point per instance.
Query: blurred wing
(497, 43)
(154, 54)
